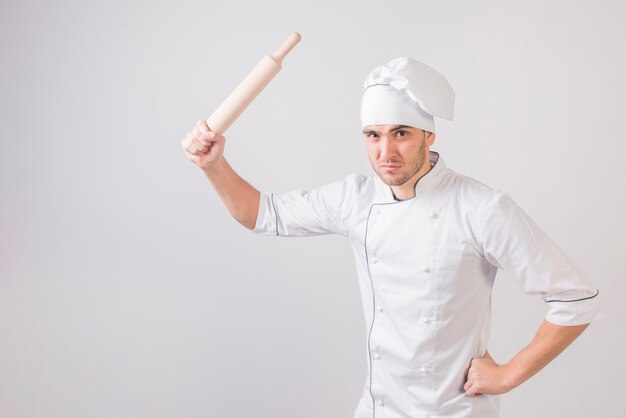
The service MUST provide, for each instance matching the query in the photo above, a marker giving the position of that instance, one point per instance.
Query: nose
(387, 148)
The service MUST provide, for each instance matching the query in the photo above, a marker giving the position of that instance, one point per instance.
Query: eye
(371, 134)
(402, 133)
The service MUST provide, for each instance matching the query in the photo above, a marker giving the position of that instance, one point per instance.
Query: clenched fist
(203, 147)
(486, 376)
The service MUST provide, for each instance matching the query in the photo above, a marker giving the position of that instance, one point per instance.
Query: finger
(207, 137)
(186, 143)
(470, 391)
(199, 141)
(468, 385)
(199, 135)
(193, 146)
(202, 146)
(202, 126)
(190, 145)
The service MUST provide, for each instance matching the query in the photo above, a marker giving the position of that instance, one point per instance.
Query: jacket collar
(430, 180)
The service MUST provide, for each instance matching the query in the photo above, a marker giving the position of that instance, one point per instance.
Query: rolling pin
(250, 87)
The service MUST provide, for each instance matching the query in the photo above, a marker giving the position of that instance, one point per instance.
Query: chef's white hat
(406, 92)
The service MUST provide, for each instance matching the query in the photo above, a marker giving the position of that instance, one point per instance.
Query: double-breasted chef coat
(426, 267)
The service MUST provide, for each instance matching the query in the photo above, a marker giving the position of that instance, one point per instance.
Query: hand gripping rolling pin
(250, 87)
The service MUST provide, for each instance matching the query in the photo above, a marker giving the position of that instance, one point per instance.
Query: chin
(390, 180)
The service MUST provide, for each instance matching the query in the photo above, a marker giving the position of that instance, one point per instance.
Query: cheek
(372, 152)
(409, 149)
(416, 148)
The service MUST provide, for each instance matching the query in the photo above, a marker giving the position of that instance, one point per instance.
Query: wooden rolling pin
(250, 87)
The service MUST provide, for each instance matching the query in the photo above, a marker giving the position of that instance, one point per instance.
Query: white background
(126, 290)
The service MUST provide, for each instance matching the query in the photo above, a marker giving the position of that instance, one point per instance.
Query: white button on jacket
(436, 257)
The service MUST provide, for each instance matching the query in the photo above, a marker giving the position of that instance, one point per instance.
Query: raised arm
(206, 149)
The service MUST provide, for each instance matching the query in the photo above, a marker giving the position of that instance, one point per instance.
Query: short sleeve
(512, 241)
(301, 213)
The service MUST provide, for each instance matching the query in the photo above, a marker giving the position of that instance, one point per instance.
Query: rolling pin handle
(281, 52)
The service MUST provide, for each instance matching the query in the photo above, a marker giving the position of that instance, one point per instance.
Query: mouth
(389, 167)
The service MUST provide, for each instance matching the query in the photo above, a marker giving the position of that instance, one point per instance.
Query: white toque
(406, 92)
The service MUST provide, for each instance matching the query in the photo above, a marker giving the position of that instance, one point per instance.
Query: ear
(429, 138)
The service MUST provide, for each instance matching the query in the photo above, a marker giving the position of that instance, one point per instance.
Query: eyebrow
(395, 128)
(398, 127)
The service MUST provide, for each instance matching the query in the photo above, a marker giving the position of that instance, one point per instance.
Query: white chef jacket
(426, 267)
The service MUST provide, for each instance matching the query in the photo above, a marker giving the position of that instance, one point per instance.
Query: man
(428, 243)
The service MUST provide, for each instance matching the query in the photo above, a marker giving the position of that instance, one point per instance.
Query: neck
(407, 190)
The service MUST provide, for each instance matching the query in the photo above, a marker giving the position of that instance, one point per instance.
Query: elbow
(249, 225)
(248, 222)
(247, 214)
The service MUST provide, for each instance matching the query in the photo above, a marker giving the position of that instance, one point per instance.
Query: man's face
(397, 152)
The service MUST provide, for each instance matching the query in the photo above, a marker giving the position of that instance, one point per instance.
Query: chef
(428, 243)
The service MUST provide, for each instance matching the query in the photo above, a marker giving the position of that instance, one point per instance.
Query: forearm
(486, 376)
(548, 343)
(240, 198)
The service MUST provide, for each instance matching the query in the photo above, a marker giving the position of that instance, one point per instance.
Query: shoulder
(473, 192)
(357, 179)
(355, 183)
(487, 210)
(341, 191)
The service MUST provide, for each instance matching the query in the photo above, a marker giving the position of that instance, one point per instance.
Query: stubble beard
(409, 173)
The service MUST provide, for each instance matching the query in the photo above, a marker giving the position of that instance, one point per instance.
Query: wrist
(511, 378)
(214, 167)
